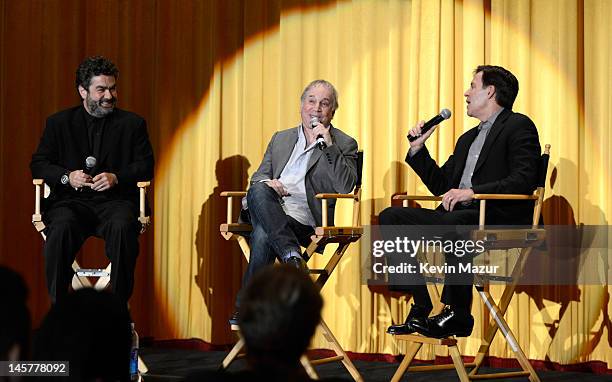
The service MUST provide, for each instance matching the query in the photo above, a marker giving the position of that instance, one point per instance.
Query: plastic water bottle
(134, 355)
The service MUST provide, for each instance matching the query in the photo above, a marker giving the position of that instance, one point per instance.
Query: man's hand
(323, 131)
(454, 196)
(418, 143)
(79, 179)
(277, 186)
(104, 181)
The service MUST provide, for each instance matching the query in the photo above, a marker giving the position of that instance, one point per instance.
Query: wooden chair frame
(323, 235)
(526, 240)
(81, 275)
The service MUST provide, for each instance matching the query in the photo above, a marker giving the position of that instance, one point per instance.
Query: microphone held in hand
(444, 114)
(90, 163)
(314, 121)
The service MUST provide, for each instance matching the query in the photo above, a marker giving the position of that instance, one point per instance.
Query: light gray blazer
(330, 170)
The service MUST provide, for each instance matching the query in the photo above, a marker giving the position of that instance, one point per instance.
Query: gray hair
(329, 86)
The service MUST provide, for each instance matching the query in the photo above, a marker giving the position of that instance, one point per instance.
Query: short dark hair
(506, 84)
(94, 66)
(91, 330)
(280, 310)
(15, 322)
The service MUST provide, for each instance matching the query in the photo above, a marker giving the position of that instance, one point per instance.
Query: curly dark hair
(506, 84)
(94, 66)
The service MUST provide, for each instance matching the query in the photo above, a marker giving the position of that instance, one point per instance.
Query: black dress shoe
(297, 262)
(418, 314)
(448, 323)
(234, 318)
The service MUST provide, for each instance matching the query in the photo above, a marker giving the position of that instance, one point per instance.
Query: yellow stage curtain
(393, 62)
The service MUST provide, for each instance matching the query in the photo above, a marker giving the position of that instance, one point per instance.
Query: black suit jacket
(125, 150)
(507, 164)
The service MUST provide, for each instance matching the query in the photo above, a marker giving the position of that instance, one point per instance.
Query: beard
(96, 109)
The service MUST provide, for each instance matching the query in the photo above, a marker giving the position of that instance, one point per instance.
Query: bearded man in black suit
(500, 155)
(88, 199)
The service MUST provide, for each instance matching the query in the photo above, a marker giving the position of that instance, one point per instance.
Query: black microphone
(90, 163)
(444, 114)
(314, 121)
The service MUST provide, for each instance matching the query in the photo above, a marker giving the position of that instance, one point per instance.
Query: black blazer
(508, 164)
(125, 150)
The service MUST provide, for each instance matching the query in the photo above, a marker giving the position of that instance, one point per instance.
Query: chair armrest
(233, 193)
(503, 197)
(39, 185)
(323, 197)
(230, 195)
(406, 198)
(417, 197)
(336, 196)
(142, 218)
(484, 197)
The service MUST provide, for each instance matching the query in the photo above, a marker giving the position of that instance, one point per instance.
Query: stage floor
(174, 364)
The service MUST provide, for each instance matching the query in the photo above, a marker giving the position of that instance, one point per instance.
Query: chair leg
(491, 328)
(103, 281)
(142, 366)
(244, 247)
(327, 333)
(434, 294)
(459, 366)
(413, 349)
(510, 338)
(79, 282)
(331, 264)
(231, 356)
(504, 302)
(308, 367)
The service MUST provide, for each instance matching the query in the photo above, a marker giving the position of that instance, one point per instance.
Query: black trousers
(457, 289)
(70, 222)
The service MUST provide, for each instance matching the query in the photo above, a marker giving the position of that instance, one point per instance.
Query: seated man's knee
(124, 223)
(256, 190)
(389, 216)
(64, 224)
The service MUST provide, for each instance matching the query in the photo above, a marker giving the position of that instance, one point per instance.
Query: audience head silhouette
(15, 316)
(280, 311)
(90, 329)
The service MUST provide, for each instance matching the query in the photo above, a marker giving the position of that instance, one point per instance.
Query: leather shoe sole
(432, 331)
(401, 329)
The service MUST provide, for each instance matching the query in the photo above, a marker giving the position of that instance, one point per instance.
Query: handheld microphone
(444, 114)
(90, 163)
(314, 121)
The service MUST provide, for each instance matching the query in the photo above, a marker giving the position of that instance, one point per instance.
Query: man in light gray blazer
(299, 163)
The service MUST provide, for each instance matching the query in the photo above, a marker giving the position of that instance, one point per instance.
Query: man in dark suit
(101, 200)
(500, 155)
(281, 198)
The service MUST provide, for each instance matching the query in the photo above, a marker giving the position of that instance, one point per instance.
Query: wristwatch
(65, 179)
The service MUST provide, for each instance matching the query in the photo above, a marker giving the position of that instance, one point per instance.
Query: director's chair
(343, 236)
(494, 239)
(81, 275)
